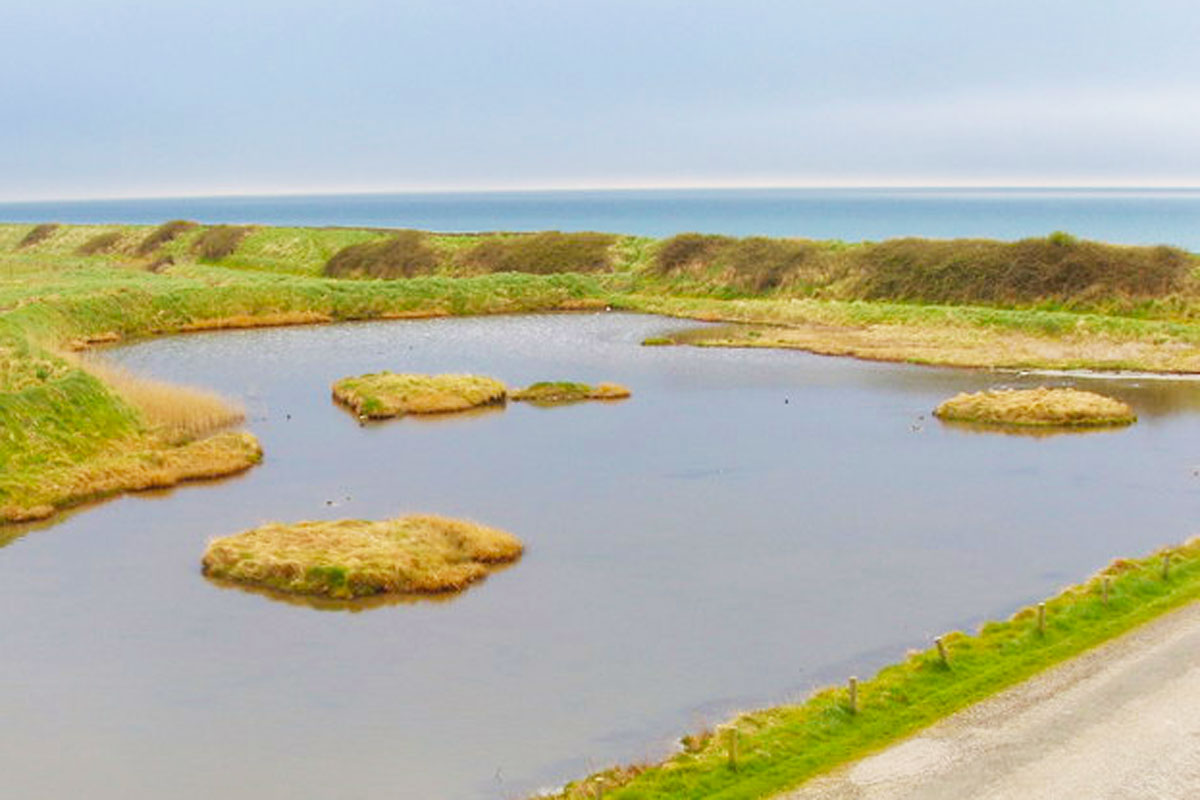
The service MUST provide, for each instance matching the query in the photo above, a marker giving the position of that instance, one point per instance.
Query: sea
(1124, 216)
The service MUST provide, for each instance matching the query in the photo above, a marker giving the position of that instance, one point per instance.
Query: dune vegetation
(381, 395)
(560, 392)
(1043, 407)
(357, 558)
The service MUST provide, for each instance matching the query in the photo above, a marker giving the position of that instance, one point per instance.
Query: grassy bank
(778, 748)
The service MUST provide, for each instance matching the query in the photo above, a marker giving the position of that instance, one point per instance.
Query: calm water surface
(751, 524)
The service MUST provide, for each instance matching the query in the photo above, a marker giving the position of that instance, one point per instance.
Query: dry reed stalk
(174, 411)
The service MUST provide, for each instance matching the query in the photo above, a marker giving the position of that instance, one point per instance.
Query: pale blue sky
(134, 98)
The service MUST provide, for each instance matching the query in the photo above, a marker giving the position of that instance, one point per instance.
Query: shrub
(40, 233)
(402, 256)
(753, 264)
(220, 241)
(168, 231)
(100, 243)
(541, 253)
(688, 250)
(1057, 267)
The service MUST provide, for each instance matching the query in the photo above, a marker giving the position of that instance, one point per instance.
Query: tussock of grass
(781, 747)
(220, 241)
(38, 234)
(1037, 407)
(404, 255)
(167, 232)
(389, 394)
(558, 392)
(357, 558)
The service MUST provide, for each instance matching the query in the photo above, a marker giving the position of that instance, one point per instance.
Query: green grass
(781, 747)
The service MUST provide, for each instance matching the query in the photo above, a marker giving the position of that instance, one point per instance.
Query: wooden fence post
(1042, 619)
(853, 695)
(941, 647)
(1104, 588)
(732, 744)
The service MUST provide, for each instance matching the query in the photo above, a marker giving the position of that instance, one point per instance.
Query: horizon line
(343, 191)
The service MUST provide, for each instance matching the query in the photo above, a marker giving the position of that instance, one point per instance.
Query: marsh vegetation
(1040, 407)
(389, 394)
(562, 392)
(358, 558)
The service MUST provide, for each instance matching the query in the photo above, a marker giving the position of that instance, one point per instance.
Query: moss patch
(1037, 407)
(557, 392)
(389, 394)
(358, 558)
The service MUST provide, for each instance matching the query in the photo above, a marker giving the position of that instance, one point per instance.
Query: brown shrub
(219, 241)
(541, 253)
(100, 243)
(402, 256)
(754, 264)
(40, 233)
(164, 233)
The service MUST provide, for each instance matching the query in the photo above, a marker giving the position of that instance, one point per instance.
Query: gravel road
(1121, 722)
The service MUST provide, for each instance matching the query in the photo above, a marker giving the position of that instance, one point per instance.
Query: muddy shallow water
(749, 525)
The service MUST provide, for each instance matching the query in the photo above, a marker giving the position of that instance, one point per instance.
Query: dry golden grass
(267, 320)
(557, 392)
(358, 558)
(175, 412)
(137, 465)
(948, 345)
(390, 394)
(1040, 407)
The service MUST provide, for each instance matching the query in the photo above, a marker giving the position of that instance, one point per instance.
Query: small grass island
(347, 559)
(389, 394)
(558, 392)
(1041, 407)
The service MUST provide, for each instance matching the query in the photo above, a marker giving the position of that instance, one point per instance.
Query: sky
(136, 98)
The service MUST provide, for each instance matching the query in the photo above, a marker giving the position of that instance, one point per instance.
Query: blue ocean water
(1129, 216)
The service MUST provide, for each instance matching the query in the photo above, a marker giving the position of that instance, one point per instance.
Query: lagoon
(751, 524)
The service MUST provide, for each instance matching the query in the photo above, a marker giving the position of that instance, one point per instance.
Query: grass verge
(1043, 407)
(358, 558)
(779, 748)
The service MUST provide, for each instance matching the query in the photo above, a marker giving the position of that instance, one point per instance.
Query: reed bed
(389, 394)
(177, 412)
(1041, 407)
(359, 558)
